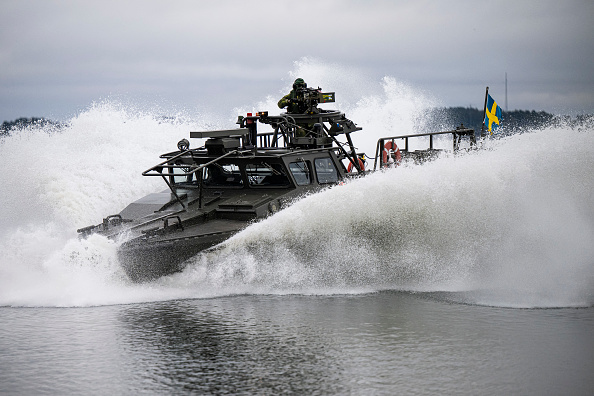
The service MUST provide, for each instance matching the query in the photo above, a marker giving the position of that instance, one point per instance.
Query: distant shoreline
(440, 118)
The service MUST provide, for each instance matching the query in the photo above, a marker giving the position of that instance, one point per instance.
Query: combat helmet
(299, 83)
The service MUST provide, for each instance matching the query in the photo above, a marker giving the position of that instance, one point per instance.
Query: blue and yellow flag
(492, 114)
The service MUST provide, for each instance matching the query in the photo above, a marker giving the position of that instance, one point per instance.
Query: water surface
(378, 343)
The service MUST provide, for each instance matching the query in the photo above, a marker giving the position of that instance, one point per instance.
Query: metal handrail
(159, 169)
(162, 165)
(457, 134)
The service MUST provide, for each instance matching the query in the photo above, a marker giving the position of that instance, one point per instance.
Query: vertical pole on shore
(506, 91)
(484, 113)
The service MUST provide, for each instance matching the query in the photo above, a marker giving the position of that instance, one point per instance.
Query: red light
(249, 114)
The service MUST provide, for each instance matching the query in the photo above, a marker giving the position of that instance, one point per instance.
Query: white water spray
(506, 221)
(514, 221)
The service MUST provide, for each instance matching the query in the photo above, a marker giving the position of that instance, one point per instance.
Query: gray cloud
(56, 57)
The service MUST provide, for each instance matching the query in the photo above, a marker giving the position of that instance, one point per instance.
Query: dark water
(378, 343)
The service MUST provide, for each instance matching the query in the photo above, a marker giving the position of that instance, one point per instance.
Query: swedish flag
(492, 114)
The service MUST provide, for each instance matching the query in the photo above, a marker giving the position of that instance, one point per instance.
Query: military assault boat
(239, 176)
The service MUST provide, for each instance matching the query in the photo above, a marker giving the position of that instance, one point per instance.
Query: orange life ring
(394, 147)
(361, 165)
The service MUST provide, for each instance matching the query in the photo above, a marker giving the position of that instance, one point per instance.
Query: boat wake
(508, 226)
(511, 225)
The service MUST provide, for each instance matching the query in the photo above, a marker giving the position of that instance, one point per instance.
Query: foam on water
(510, 225)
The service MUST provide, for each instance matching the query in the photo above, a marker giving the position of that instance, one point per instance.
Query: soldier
(291, 102)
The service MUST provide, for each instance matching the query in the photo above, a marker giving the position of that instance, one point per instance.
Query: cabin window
(267, 175)
(222, 175)
(300, 172)
(178, 176)
(325, 170)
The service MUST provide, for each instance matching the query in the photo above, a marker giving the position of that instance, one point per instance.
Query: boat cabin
(256, 172)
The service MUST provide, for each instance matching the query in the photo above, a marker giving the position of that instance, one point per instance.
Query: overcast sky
(57, 57)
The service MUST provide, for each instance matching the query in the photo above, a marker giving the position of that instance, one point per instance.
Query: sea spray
(382, 107)
(56, 180)
(513, 220)
(506, 220)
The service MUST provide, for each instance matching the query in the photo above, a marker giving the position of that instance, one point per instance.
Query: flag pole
(484, 113)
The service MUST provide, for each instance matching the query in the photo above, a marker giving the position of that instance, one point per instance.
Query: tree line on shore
(21, 123)
(511, 121)
(445, 118)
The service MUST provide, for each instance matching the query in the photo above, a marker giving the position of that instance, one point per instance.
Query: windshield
(222, 175)
(266, 175)
(232, 175)
(300, 172)
(178, 174)
(325, 170)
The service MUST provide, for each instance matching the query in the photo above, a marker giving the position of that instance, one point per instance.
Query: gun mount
(307, 99)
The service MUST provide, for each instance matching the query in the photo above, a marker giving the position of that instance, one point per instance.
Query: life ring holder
(391, 146)
(361, 165)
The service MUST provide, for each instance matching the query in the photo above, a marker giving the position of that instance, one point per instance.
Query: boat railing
(272, 140)
(187, 170)
(183, 170)
(384, 160)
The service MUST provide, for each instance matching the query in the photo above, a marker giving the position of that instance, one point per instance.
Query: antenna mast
(505, 91)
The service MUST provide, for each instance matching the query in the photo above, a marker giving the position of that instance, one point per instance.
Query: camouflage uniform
(290, 100)
(293, 105)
